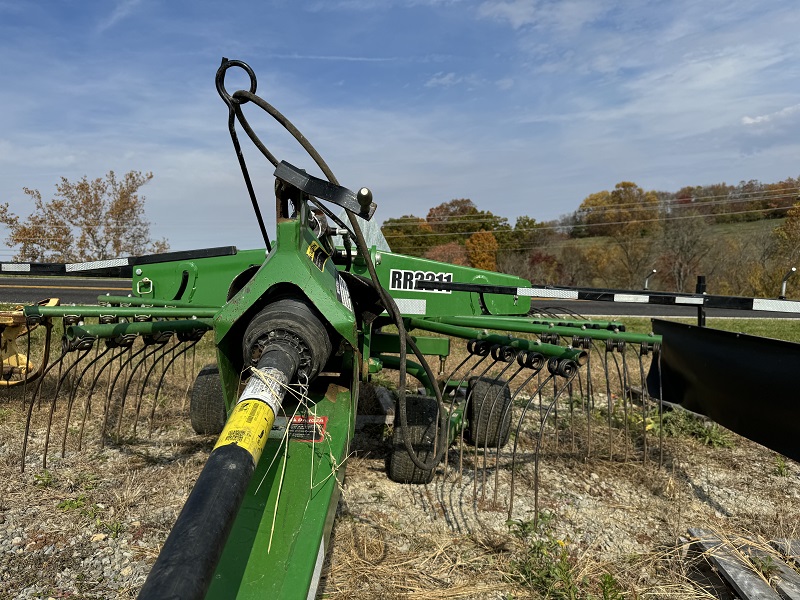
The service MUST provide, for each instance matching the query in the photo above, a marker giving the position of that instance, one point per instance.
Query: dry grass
(611, 517)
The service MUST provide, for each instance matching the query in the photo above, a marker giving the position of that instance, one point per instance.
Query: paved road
(84, 290)
(20, 289)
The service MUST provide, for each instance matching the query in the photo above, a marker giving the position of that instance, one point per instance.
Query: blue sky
(524, 106)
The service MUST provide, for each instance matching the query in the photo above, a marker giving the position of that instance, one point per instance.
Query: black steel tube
(187, 561)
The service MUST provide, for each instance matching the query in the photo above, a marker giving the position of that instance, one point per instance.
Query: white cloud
(782, 114)
(122, 10)
(561, 15)
(332, 57)
(444, 80)
(518, 13)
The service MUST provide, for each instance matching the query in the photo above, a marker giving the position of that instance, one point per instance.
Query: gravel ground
(90, 525)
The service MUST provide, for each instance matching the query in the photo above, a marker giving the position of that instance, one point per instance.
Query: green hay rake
(298, 327)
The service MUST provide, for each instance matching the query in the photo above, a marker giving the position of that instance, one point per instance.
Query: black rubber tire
(488, 412)
(207, 402)
(422, 414)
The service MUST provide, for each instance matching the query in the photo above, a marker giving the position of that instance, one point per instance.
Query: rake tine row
(159, 344)
(191, 338)
(58, 362)
(126, 342)
(98, 357)
(535, 362)
(504, 354)
(122, 366)
(85, 347)
(513, 370)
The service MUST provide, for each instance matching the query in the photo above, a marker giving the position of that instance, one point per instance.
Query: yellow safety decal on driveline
(248, 427)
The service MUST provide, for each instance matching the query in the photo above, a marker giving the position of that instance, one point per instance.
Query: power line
(589, 225)
(680, 204)
(698, 202)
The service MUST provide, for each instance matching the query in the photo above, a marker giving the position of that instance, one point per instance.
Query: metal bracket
(144, 286)
(359, 204)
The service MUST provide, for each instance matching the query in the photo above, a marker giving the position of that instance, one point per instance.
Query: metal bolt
(138, 271)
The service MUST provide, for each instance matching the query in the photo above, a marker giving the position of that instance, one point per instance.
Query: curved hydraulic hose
(241, 97)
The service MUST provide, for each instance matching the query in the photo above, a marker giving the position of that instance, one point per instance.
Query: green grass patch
(779, 329)
(72, 503)
(548, 566)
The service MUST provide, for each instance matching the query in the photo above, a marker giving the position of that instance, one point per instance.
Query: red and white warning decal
(301, 428)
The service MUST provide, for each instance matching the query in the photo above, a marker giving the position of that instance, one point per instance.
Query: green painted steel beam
(428, 345)
(550, 350)
(577, 323)
(111, 330)
(399, 273)
(523, 326)
(199, 281)
(136, 301)
(118, 311)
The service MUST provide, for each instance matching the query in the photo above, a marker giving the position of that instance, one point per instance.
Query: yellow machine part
(16, 368)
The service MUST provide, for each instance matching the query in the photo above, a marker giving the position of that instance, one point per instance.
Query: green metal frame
(280, 536)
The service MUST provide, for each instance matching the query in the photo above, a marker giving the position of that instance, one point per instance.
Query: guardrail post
(701, 309)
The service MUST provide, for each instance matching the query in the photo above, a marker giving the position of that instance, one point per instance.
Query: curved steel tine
(189, 346)
(453, 404)
(534, 372)
(645, 408)
(87, 405)
(53, 403)
(536, 454)
(160, 358)
(27, 360)
(159, 347)
(622, 374)
(570, 400)
(73, 395)
(610, 406)
(657, 358)
(128, 362)
(477, 436)
(48, 341)
(36, 392)
(555, 410)
(492, 410)
(452, 407)
(525, 408)
(621, 380)
(586, 402)
(189, 380)
(123, 362)
(59, 362)
(467, 399)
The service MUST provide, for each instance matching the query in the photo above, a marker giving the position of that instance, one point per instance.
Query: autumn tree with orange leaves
(85, 220)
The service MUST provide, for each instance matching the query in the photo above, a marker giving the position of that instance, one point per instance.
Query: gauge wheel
(488, 412)
(207, 402)
(422, 414)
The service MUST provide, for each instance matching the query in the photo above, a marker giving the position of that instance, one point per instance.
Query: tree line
(742, 237)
